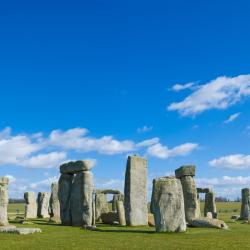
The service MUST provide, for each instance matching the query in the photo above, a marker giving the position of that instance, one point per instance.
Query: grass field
(61, 237)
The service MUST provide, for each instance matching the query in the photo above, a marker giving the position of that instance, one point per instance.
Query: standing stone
(101, 205)
(54, 204)
(167, 205)
(4, 200)
(210, 205)
(64, 193)
(93, 213)
(192, 208)
(81, 199)
(135, 192)
(116, 197)
(30, 206)
(43, 205)
(121, 212)
(245, 204)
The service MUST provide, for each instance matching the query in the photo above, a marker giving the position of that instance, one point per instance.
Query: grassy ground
(60, 237)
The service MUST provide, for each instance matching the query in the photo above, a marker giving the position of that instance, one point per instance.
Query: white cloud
(50, 160)
(163, 152)
(179, 87)
(219, 93)
(148, 143)
(232, 118)
(44, 184)
(144, 129)
(236, 161)
(11, 178)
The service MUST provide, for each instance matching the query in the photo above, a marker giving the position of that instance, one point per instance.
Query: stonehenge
(210, 205)
(135, 191)
(121, 212)
(54, 204)
(43, 205)
(167, 205)
(30, 206)
(245, 204)
(101, 205)
(4, 200)
(75, 193)
(191, 201)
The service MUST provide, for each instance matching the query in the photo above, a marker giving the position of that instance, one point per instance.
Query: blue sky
(168, 80)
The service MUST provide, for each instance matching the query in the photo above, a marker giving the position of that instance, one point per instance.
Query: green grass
(61, 237)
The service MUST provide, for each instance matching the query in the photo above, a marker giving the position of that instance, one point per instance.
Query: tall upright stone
(186, 174)
(121, 212)
(64, 193)
(116, 197)
(81, 199)
(101, 205)
(30, 206)
(54, 204)
(245, 204)
(167, 205)
(43, 205)
(135, 191)
(210, 205)
(4, 201)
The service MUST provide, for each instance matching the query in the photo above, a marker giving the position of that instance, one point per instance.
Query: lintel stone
(186, 170)
(74, 167)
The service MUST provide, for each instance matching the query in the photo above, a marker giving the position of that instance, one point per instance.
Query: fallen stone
(208, 223)
(235, 217)
(110, 218)
(23, 231)
(74, 167)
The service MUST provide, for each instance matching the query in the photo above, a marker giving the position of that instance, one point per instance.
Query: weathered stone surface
(245, 204)
(110, 218)
(64, 193)
(4, 200)
(116, 197)
(203, 190)
(14, 230)
(43, 205)
(121, 213)
(81, 199)
(186, 170)
(30, 206)
(210, 205)
(74, 167)
(235, 217)
(209, 215)
(54, 204)
(151, 220)
(191, 201)
(93, 213)
(208, 223)
(101, 205)
(135, 191)
(107, 191)
(167, 205)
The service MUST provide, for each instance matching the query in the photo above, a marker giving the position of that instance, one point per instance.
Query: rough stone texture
(245, 204)
(210, 205)
(93, 213)
(191, 201)
(121, 213)
(235, 217)
(208, 222)
(209, 215)
(30, 206)
(110, 218)
(116, 197)
(151, 220)
(167, 205)
(64, 193)
(4, 200)
(14, 230)
(101, 205)
(43, 205)
(203, 190)
(81, 199)
(74, 167)
(107, 191)
(135, 191)
(188, 170)
(54, 204)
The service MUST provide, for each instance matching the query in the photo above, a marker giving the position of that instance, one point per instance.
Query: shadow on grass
(123, 231)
